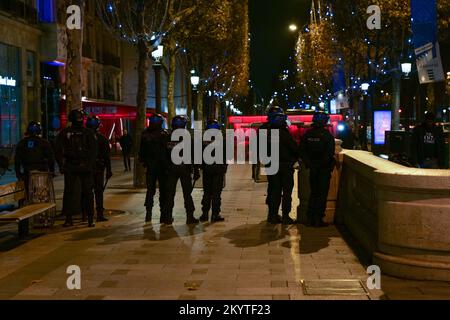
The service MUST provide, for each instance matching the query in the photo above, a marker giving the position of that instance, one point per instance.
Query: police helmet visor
(34, 129)
(179, 122)
(213, 125)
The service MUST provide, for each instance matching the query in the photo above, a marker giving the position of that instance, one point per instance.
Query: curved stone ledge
(410, 236)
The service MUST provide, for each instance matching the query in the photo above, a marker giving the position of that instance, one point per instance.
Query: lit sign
(10, 82)
(101, 110)
(383, 121)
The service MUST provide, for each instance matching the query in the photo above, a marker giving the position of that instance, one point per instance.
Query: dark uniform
(317, 149)
(76, 152)
(213, 182)
(428, 142)
(183, 173)
(153, 155)
(282, 183)
(33, 153)
(126, 143)
(102, 164)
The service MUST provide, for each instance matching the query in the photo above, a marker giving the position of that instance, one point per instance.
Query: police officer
(281, 184)
(428, 144)
(76, 153)
(317, 150)
(153, 155)
(102, 163)
(33, 153)
(271, 112)
(213, 182)
(182, 172)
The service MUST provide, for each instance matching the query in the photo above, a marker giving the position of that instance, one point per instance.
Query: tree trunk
(396, 98)
(171, 83)
(74, 66)
(143, 67)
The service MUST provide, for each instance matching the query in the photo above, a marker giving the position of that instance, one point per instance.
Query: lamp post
(157, 56)
(195, 80)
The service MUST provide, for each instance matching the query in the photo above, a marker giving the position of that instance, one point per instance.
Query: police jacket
(428, 143)
(219, 167)
(317, 148)
(288, 153)
(76, 149)
(126, 143)
(103, 160)
(34, 153)
(153, 149)
(185, 166)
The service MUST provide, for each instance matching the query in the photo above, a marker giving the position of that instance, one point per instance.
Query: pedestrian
(102, 164)
(76, 153)
(186, 173)
(428, 144)
(33, 153)
(126, 144)
(281, 184)
(317, 150)
(153, 155)
(213, 181)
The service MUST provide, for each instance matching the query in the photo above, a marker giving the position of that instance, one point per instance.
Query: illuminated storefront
(10, 99)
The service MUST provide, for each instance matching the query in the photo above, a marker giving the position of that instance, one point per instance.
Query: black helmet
(278, 120)
(156, 120)
(212, 124)
(180, 122)
(34, 128)
(93, 122)
(273, 111)
(321, 118)
(76, 117)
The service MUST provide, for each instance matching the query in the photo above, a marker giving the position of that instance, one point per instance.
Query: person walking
(126, 144)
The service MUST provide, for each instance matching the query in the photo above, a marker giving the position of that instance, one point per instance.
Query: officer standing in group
(271, 112)
(153, 155)
(33, 153)
(182, 172)
(317, 150)
(281, 184)
(76, 153)
(213, 182)
(428, 144)
(102, 163)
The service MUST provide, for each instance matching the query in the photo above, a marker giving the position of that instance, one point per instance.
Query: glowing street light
(293, 27)
(365, 86)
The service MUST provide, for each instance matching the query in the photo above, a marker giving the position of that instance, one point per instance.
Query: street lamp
(195, 81)
(365, 86)
(406, 68)
(157, 56)
(293, 27)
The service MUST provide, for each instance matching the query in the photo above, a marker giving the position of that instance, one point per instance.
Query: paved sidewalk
(242, 258)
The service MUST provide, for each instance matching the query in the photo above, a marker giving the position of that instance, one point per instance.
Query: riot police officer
(102, 163)
(153, 155)
(33, 153)
(281, 184)
(76, 152)
(317, 150)
(213, 182)
(182, 172)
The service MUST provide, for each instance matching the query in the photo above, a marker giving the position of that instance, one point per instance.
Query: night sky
(272, 42)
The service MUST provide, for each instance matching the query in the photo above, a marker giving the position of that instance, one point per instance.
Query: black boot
(148, 216)
(204, 217)
(217, 218)
(274, 219)
(191, 219)
(287, 220)
(91, 222)
(68, 223)
(100, 216)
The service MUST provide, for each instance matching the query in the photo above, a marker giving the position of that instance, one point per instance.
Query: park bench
(12, 194)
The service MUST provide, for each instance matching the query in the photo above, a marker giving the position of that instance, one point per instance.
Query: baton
(106, 183)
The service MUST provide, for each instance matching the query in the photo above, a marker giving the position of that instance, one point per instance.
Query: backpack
(77, 150)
